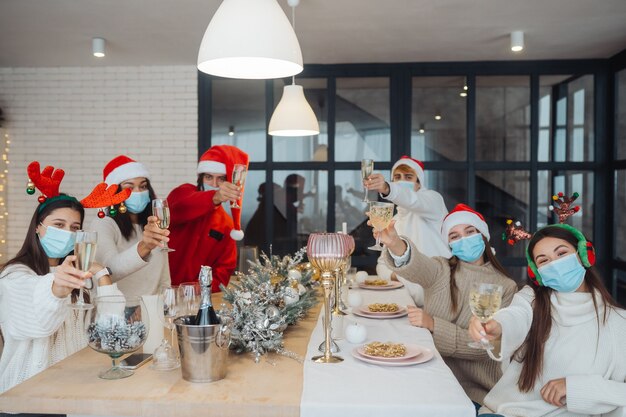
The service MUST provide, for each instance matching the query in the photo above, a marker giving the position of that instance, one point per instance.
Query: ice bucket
(203, 350)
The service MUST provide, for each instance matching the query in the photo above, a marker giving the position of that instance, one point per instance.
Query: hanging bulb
(112, 211)
(30, 187)
(101, 213)
(122, 208)
(41, 198)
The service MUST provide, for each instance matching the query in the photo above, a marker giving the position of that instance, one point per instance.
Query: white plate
(392, 286)
(411, 352)
(364, 309)
(427, 354)
(400, 313)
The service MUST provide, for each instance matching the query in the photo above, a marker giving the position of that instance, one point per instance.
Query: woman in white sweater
(130, 242)
(420, 214)
(562, 339)
(36, 288)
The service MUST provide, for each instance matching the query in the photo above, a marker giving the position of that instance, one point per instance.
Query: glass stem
(80, 300)
(113, 363)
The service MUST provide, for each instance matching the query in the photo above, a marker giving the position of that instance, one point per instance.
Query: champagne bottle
(206, 314)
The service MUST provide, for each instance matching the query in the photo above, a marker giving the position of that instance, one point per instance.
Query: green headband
(57, 198)
(581, 249)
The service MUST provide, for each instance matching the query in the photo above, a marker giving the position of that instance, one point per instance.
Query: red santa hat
(463, 214)
(418, 166)
(220, 159)
(122, 168)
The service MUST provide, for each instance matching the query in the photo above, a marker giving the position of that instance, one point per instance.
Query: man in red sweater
(201, 230)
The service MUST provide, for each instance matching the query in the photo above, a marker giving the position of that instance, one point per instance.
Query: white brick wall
(80, 118)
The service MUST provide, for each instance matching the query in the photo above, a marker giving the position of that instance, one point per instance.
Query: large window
(619, 189)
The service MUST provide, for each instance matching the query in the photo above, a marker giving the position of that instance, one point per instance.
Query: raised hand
(479, 332)
(153, 237)
(68, 278)
(227, 192)
(377, 183)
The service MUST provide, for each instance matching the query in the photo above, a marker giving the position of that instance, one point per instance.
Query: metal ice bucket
(203, 350)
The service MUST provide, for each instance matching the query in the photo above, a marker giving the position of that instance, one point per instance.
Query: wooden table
(72, 386)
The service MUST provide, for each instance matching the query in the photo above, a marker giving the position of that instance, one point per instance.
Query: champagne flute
(484, 300)
(189, 297)
(164, 357)
(161, 210)
(239, 179)
(367, 167)
(85, 251)
(381, 215)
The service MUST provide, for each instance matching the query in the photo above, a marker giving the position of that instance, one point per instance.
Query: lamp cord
(293, 24)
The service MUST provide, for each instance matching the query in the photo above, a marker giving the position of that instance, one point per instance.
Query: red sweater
(200, 233)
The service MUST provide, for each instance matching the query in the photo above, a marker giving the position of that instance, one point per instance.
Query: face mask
(207, 187)
(406, 184)
(469, 248)
(57, 243)
(137, 201)
(564, 275)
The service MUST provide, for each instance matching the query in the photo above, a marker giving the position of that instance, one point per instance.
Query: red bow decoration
(47, 181)
(514, 232)
(103, 196)
(562, 206)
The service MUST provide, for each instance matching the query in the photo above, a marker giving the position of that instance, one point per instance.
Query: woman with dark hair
(562, 337)
(35, 286)
(130, 241)
(446, 313)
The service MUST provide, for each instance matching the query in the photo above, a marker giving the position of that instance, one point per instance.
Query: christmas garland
(275, 293)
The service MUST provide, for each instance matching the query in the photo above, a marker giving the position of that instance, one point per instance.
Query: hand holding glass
(239, 179)
(85, 251)
(381, 215)
(367, 167)
(484, 300)
(161, 210)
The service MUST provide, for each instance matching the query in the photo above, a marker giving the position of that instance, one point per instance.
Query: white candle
(344, 228)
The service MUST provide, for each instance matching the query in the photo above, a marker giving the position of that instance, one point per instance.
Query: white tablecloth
(355, 388)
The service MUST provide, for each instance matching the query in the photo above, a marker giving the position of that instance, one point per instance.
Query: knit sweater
(476, 373)
(133, 274)
(419, 218)
(593, 363)
(39, 329)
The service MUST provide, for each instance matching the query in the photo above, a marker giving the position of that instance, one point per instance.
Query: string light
(4, 214)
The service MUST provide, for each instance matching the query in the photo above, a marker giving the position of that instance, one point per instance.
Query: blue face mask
(468, 248)
(406, 184)
(207, 187)
(564, 275)
(57, 243)
(138, 201)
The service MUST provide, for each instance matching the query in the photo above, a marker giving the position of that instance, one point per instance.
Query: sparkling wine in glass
(85, 252)
(484, 300)
(239, 179)
(367, 167)
(381, 215)
(161, 210)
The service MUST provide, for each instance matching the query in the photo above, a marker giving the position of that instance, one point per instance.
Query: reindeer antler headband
(49, 179)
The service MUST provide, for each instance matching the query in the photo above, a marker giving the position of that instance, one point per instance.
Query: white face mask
(406, 184)
(207, 187)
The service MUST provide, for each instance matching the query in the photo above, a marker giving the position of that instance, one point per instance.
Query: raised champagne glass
(367, 167)
(161, 210)
(381, 215)
(85, 252)
(239, 179)
(485, 300)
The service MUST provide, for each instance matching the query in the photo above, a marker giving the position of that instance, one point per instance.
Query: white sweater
(39, 329)
(134, 275)
(593, 364)
(419, 218)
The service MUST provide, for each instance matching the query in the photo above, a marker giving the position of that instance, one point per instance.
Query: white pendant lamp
(293, 116)
(250, 39)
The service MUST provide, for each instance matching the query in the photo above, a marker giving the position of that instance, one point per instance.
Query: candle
(344, 228)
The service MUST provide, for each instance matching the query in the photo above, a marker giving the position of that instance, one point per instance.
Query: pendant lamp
(293, 116)
(250, 39)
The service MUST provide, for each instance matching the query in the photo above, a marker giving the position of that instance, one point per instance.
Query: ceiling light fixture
(517, 41)
(437, 116)
(422, 128)
(231, 130)
(293, 115)
(250, 40)
(97, 47)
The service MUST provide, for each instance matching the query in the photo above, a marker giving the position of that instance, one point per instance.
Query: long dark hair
(123, 220)
(488, 256)
(32, 253)
(530, 353)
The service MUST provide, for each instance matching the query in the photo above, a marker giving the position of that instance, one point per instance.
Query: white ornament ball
(354, 298)
(294, 274)
(291, 296)
(301, 289)
(356, 333)
(361, 276)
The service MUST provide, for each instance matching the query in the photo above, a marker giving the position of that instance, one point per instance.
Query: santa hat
(220, 159)
(122, 168)
(463, 214)
(418, 166)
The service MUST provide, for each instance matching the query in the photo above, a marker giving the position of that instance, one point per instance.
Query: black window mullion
(471, 140)
(534, 148)
(269, 171)
(330, 163)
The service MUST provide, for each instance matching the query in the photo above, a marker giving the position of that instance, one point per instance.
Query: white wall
(80, 118)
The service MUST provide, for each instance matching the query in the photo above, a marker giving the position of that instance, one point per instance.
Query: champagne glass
(118, 325)
(161, 210)
(381, 215)
(85, 251)
(367, 167)
(484, 301)
(168, 306)
(189, 296)
(239, 179)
